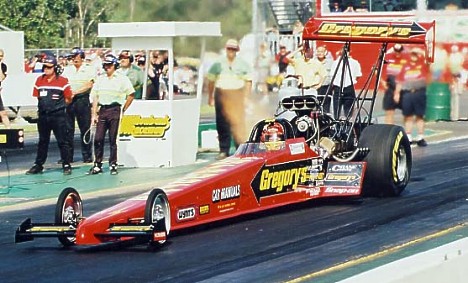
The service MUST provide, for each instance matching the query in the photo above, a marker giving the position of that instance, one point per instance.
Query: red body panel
(231, 187)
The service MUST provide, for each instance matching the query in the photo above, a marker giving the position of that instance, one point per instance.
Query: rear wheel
(158, 209)
(69, 210)
(389, 160)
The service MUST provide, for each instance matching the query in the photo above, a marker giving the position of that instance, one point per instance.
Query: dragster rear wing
(333, 29)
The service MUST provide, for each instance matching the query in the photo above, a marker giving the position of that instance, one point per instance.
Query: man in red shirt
(394, 62)
(411, 90)
(54, 94)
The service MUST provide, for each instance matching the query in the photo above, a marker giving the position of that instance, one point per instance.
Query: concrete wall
(447, 263)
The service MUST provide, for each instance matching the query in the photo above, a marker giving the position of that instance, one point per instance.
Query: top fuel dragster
(284, 161)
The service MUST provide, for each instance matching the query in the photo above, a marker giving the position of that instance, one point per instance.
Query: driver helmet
(273, 136)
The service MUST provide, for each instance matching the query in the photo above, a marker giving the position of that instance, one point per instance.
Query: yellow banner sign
(144, 127)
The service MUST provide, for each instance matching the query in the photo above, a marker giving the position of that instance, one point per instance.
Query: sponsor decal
(226, 207)
(314, 192)
(395, 30)
(297, 148)
(344, 174)
(186, 213)
(159, 236)
(204, 209)
(144, 127)
(343, 167)
(226, 193)
(280, 178)
(341, 177)
(341, 191)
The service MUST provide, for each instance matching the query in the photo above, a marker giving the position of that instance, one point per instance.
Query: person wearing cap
(3, 74)
(111, 94)
(81, 78)
(229, 82)
(133, 72)
(411, 91)
(394, 62)
(53, 93)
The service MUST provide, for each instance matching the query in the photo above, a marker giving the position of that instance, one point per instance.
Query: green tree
(88, 13)
(66, 23)
(40, 20)
(235, 17)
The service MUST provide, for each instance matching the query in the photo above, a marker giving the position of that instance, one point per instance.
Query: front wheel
(157, 210)
(69, 210)
(389, 160)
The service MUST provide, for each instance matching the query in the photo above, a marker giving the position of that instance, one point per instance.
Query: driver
(273, 136)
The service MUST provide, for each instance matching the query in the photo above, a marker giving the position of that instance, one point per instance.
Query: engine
(320, 130)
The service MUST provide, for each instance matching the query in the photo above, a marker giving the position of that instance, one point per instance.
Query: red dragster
(310, 155)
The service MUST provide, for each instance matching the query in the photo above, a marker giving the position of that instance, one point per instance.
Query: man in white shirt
(344, 94)
(81, 78)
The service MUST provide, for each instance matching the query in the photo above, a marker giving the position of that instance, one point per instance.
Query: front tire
(389, 160)
(69, 210)
(158, 209)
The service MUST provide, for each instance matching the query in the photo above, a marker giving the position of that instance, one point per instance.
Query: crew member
(133, 72)
(3, 74)
(111, 94)
(394, 63)
(327, 63)
(411, 90)
(344, 93)
(54, 94)
(229, 82)
(311, 73)
(81, 78)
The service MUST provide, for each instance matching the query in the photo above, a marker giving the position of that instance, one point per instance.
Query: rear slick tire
(389, 160)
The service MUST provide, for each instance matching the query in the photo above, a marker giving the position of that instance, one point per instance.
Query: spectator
(133, 72)
(141, 63)
(272, 37)
(81, 78)
(283, 62)
(395, 60)
(336, 8)
(327, 63)
(263, 63)
(53, 93)
(344, 93)
(411, 90)
(37, 63)
(297, 32)
(94, 60)
(229, 82)
(311, 73)
(109, 93)
(28, 67)
(3, 75)
(62, 61)
(440, 65)
(349, 9)
(155, 71)
(183, 79)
